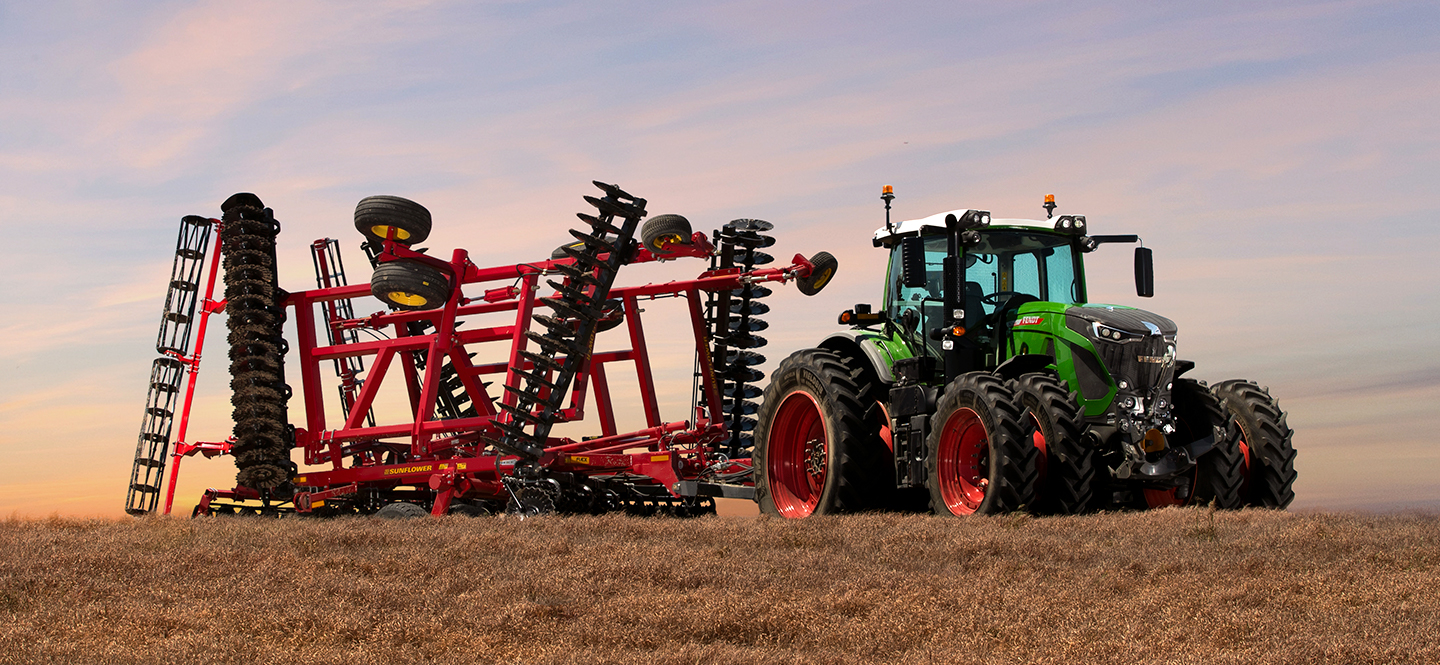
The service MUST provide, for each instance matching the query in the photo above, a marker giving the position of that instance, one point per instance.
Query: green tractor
(988, 383)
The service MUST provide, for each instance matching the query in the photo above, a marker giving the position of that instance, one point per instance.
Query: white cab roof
(938, 219)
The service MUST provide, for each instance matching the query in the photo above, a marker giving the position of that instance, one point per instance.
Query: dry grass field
(1173, 586)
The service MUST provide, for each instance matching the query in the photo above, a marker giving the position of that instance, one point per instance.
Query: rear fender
(862, 345)
(1023, 364)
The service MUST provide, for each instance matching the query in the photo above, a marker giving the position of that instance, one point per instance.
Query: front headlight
(1113, 334)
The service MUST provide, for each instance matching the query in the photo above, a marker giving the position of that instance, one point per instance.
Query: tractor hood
(1136, 322)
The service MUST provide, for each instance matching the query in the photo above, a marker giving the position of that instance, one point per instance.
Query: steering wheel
(994, 298)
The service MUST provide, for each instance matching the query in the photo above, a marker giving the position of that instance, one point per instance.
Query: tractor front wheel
(1265, 446)
(813, 445)
(979, 460)
(1219, 473)
(1066, 463)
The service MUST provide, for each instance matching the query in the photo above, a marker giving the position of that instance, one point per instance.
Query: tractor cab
(1010, 263)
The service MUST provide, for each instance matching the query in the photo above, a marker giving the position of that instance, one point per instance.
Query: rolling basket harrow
(465, 447)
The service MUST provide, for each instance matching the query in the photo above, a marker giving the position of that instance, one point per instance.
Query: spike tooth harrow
(470, 445)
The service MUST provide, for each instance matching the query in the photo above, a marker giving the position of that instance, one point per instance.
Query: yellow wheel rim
(823, 279)
(382, 230)
(408, 299)
(664, 241)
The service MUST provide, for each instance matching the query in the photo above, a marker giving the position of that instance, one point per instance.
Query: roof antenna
(888, 194)
(1049, 206)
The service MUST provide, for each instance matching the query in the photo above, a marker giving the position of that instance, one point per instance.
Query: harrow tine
(610, 206)
(593, 241)
(600, 225)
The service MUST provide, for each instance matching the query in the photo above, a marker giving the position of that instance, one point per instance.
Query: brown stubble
(1170, 586)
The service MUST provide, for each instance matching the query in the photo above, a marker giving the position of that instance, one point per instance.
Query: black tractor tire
(401, 510)
(1219, 473)
(825, 266)
(815, 452)
(978, 458)
(375, 215)
(409, 285)
(662, 231)
(1265, 443)
(1056, 425)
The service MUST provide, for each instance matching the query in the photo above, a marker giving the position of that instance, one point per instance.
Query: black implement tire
(661, 231)
(1219, 473)
(815, 451)
(1265, 443)
(401, 510)
(1056, 426)
(978, 458)
(459, 509)
(374, 216)
(825, 266)
(408, 284)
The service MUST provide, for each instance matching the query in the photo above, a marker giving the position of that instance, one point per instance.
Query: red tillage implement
(466, 447)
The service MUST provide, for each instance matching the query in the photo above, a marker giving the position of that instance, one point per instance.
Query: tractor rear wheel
(1066, 463)
(814, 449)
(979, 460)
(406, 284)
(1219, 473)
(1265, 443)
(375, 216)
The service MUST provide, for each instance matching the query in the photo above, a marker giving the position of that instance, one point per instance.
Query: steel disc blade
(746, 392)
(747, 358)
(754, 308)
(757, 225)
(752, 325)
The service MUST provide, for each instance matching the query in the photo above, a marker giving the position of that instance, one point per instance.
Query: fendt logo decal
(1164, 361)
(1029, 320)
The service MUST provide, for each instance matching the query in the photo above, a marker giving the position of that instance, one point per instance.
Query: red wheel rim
(797, 458)
(1161, 498)
(1244, 461)
(1038, 438)
(963, 462)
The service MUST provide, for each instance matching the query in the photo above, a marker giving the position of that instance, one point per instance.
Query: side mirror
(1144, 272)
(912, 262)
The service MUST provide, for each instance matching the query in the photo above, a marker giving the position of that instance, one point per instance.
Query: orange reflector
(845, 316)
(958, 331)
(1154, 441)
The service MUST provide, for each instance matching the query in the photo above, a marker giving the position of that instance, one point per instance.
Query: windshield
(1036, 264)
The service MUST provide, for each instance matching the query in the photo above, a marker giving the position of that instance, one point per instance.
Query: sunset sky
(1281, 158)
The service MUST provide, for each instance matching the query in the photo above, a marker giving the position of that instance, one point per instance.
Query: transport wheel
(1065, 463)
(979, 459)
(376, 215)
(825, 266)
(400, 510)
(814, 449)
(663, 231)
(409, 285)
(1219, 473)
(1265, 443)
(467, 510)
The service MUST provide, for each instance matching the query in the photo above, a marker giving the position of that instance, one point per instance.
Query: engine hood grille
(1144, 360)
